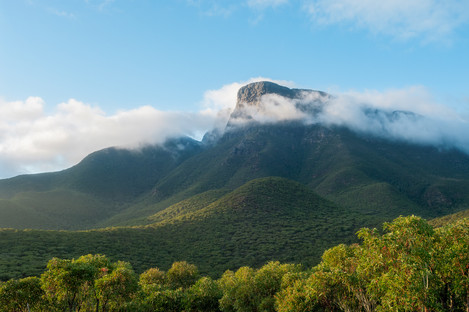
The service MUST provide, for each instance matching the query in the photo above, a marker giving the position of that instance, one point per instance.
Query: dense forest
(409, 266)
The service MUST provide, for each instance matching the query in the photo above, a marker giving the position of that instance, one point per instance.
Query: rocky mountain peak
(250, 94)
(249, 99)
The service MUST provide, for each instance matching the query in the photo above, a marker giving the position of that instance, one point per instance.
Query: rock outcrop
(249, 99)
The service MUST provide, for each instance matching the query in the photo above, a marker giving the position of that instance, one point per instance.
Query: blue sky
(69, 69)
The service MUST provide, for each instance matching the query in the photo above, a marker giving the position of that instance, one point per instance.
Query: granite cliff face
(251, 93)
(250, 99)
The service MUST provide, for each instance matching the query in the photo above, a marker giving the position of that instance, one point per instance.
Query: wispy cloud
(428, 20)
(410, 114)
(262, 4)
(221, 102)
(62, 13)
(227, 8)
(34, 141)
(213, 7)
(100, 5)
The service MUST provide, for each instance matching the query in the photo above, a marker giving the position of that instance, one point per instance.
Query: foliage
(204, 295)
(119, 187)
(281, 192)
(182, 275)
(253, 290)
(410, 266)
(21, 295)
(451, 218)
(265, 219)
(87, 282)
(116, 288)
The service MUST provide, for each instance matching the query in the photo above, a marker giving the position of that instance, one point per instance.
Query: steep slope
(265, 219)
(365, 174)
(101, 185)
(448, 219)
(261, 190)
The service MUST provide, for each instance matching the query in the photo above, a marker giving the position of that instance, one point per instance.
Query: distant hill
(442, 221)
(101, 185)
(265, 219)
(264, 189)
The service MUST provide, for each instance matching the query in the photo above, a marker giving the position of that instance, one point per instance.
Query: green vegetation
(364, 175)
(437, 222)
(283, 192)
(409, 267)
(265, 219)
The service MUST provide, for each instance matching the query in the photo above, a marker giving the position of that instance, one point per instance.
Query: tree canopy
(409, 266)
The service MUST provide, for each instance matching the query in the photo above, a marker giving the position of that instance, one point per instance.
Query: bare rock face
(251, 94)
(249, 98)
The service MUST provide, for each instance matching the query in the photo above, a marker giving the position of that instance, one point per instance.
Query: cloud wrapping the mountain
(33, 141)
(407, 115)
(221, 102)
(410, 115)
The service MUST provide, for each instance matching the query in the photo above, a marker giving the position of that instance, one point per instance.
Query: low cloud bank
(32, 140)
(410, 115)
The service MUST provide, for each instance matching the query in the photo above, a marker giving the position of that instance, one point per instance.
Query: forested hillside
(409, 267)
(360, 172)
(265, 219)
(248, 194)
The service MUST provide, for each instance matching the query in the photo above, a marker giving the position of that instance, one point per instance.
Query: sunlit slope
(448, 219)
(364, 174)
(265, 219)
(367, 175)
(100, 186)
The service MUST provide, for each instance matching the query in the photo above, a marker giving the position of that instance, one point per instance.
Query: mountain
(276, 184)
(265, 219)
(97, 188)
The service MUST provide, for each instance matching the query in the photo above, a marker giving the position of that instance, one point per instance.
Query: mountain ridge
(351, 169)
(264, 189)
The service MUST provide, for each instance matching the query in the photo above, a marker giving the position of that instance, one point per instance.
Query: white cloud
(227, 8)
(411, 114)
(214, 7)
(15, 111)
(62, 13)
(429, 20)
(221, 102)
(389, 114)
(33, 141)
(265, 3)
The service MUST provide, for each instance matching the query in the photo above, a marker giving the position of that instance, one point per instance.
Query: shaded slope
(362, 173)
(366, 175)
(57, 209)
(265, 219)
(452, 218)
(428, 181)
(100, 186)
